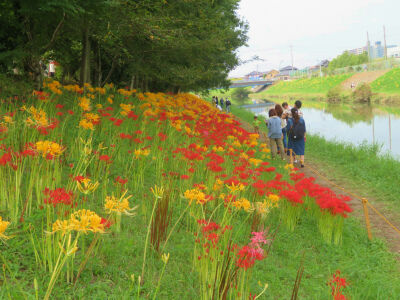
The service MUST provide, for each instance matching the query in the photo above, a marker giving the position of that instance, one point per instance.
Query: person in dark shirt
(228, 105)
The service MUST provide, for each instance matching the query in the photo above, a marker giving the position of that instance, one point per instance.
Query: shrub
(363, 93)
(334, 94)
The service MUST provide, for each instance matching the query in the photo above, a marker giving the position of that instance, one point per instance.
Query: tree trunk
(132, 81)
(99, 67)
(85, 62)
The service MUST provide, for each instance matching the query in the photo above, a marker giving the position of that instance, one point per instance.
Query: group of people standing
(220, 103)
(286, 131)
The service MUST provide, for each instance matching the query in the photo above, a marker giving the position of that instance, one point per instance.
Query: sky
(316, 30)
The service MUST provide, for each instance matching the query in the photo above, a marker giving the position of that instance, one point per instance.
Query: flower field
(111, 193)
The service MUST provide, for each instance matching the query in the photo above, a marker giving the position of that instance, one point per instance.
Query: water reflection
(356, 124)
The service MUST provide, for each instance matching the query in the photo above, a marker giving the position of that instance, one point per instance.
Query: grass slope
(316, 85)
(388, 83)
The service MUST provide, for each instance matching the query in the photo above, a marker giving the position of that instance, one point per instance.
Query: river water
(350, 123)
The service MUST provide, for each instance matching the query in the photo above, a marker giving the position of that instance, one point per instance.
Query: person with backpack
(221, 103)
(216, 101)
(228, 105)
(275, 133)
(298, 105)
(296, 129)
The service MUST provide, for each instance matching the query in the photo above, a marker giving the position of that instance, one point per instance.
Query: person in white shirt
(52, 68)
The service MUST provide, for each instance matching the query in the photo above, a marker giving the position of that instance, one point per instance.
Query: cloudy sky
(317, 29)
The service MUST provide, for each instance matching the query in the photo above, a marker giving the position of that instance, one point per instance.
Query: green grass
(316, 85)
(388, 83)
(361, 261)
(361, 167)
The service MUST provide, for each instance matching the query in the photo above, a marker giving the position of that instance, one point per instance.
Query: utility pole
(368, 48)
(291, 54)
(384, 41)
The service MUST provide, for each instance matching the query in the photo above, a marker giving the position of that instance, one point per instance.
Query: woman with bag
(296, 128)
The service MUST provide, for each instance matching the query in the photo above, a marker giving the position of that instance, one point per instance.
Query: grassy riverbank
(385, 88)
(310, 87)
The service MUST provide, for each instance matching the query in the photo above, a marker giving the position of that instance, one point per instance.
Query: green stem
(159, 282)
(147, 237)
(169, 235)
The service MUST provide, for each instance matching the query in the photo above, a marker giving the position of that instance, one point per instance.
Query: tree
(157, 45)
(347, 59)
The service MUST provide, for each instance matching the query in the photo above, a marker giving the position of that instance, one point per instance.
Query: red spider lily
(105, 222)
(337, 283)
(120, 180)
(118, 122)
(296, 176)
(5, 158)
(105, 158)
(190, 155)
(70, 112)
(58, 196)
(131, 115)
(293, 197)
(162, 116)
(79, 178)
(125, 136)
(162, 136)
(214, 167)
(185, 177)
(59, 106)
(247, 257)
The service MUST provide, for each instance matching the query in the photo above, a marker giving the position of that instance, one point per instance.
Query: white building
(358, 51)
(393, 51)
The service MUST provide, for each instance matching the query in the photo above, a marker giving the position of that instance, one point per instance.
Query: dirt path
(363, 77)
(379, 226)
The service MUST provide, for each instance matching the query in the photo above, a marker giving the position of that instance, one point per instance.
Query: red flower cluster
(58, 196)
(120, 180)
(337, 283)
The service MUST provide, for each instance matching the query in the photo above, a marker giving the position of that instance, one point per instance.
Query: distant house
(284, 73)
(255, 75)
(271, 74)
(322, 64)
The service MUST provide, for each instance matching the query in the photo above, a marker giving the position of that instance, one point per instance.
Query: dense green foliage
(152, 45)
(316, 85)
(388, 83)
(241, 94)
(347, 60)
(334, 94)
(362, 93)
